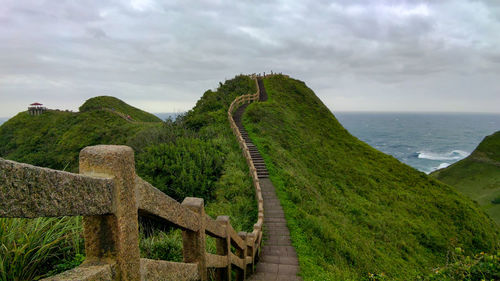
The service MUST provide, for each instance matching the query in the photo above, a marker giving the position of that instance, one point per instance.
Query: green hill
(352, 210)
(195, 155)
(118, 106)
(55, 138)
(478, 175)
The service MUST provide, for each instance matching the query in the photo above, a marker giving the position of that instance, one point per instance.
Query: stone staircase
(278, 260)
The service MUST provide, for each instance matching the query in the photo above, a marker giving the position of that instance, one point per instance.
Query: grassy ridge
(119, 106)
(478, 175)
(351, 209)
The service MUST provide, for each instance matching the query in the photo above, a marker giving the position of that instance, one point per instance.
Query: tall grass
(30, 249)
(160, 245)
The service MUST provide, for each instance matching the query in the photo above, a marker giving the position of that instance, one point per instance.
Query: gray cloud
(162, 55)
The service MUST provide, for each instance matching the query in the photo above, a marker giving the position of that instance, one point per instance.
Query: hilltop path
(278, 260)
(125, 116)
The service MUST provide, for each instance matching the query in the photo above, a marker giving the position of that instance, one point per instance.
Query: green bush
(185, 167)
(496, 200)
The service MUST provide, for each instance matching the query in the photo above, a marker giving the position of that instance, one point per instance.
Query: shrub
(496, 200)
(482, 266)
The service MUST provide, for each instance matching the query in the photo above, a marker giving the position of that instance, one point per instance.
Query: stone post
(114, 237)
(224, 249)
(194, 243)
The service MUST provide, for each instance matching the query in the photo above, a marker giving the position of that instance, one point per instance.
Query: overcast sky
(162, 55)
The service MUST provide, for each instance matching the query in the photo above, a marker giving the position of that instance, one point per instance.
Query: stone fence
(110, 197)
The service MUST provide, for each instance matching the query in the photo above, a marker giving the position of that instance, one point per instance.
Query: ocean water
(165, 115)
(425, 141)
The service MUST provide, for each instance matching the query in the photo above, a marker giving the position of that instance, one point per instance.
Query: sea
(425, 141)
(168, 115)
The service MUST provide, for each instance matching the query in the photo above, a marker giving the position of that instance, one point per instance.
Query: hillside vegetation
(355, 213)
(478, 175)
(196, 155)
(55, 138)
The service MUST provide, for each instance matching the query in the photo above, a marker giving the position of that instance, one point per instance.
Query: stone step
(282, 269)
(279, 260)
(266, 276)
(286, 251)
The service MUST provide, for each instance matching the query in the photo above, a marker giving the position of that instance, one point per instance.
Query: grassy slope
(478, 176)
(118, 106)
(351, 209)
(55, 138)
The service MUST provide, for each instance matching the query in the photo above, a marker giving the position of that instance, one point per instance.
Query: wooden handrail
(110, 196)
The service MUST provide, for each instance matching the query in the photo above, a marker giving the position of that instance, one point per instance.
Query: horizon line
(351, 111)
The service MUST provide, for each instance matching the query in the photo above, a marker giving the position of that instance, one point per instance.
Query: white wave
(453, 155)
(443, 165)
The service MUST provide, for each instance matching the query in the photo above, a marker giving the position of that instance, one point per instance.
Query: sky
(161, 56)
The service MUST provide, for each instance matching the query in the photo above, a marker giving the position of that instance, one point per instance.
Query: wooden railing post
(224, 249)
(242, 253)
(194, 243)
(115, 237)
(250, 250)
(258, 240)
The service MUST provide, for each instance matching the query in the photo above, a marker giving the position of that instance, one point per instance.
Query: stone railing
(110, 197)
